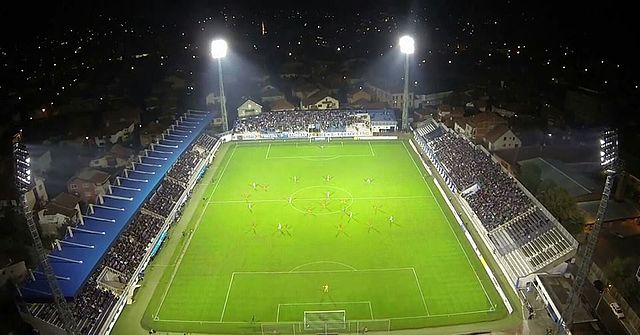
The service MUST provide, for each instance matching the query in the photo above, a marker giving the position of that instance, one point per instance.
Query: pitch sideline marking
(195, 228)
(268, 149)
(371, 148)
(424, 302)
(224, 307)
(392, 318)
(449, 224)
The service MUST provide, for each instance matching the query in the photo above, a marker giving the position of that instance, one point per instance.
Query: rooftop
(92, 175)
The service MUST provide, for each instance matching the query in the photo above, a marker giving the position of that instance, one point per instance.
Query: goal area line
(324, 303)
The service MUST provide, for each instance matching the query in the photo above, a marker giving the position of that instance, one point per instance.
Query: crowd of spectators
(125, 255)
(165, 197)
(183, 169)
(206, 142)
(498, 198)
(127, 252)
(88, 308)
(297, 121)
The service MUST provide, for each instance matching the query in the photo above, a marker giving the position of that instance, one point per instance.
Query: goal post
(325, 320)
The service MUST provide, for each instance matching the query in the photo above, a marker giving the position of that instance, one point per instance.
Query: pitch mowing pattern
(288, 227)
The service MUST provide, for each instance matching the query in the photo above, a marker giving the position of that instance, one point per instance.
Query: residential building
(478, 126)
(303, 89)
(63, 210)
(40, 160)
(501, 137)
(249, 108)
(88, 184)
(269, 94)
(117, 126)
(320, 100)
(152, 131)
(281, 105)
(358, 97)
(117, 157)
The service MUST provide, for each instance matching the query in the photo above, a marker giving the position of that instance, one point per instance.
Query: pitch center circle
(321, 200)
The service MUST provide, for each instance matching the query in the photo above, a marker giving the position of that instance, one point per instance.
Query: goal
(325, 320)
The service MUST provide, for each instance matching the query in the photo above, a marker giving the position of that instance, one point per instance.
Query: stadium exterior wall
(111, 319)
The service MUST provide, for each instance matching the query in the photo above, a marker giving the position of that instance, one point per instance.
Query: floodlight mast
(23, 185)
(218, 51)
(608, 160)
(407, 47)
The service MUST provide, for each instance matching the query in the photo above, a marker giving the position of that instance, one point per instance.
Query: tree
(621, 272)
(561, 205)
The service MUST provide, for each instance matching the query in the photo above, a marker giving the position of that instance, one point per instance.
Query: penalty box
(362, 294)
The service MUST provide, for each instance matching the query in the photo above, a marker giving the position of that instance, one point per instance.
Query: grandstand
(310, 123)
(524, 237)
(99, 262)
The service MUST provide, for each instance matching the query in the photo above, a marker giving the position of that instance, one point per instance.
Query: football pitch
(290, 235)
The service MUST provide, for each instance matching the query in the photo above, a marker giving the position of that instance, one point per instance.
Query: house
(293, 70)
(212, 99)
(88, 184)
(117, 126)
(40, 160)
(281, 105)
(303, 89)
(117, 157)
(249, 108)
(153, 131)
(270, 94)
(15, 273)
(320, 100)
(63, 210)
(478, 126)
(358, 97)
(501, 137)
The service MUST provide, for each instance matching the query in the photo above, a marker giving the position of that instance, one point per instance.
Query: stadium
(315, 221)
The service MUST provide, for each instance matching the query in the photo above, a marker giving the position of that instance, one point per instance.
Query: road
(607, 319)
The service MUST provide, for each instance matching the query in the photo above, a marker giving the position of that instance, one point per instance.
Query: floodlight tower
(219, 51)
(23, 185)
(407, 47)
(608, 161)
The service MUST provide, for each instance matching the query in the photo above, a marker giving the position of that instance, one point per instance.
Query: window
(73, 186)
(505, 138)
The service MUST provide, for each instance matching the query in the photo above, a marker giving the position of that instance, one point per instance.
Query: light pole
(601, 294)
(23, 183)
(218, 51)
(407, 47)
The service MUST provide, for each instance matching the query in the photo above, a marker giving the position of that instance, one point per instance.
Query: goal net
(325, 320)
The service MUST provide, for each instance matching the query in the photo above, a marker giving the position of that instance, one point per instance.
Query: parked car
(617, 310)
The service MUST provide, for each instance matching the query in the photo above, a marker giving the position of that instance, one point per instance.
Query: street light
(218, 51)
(601, 294)
(407, 47)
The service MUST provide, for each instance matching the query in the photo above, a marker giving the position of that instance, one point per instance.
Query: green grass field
(353, 226)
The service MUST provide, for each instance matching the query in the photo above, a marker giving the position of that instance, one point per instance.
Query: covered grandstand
(99, 261)
(523, 236)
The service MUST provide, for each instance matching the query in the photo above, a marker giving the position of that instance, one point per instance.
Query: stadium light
(608, 148)
(218, 51)
(407, 47)
(218, 48)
